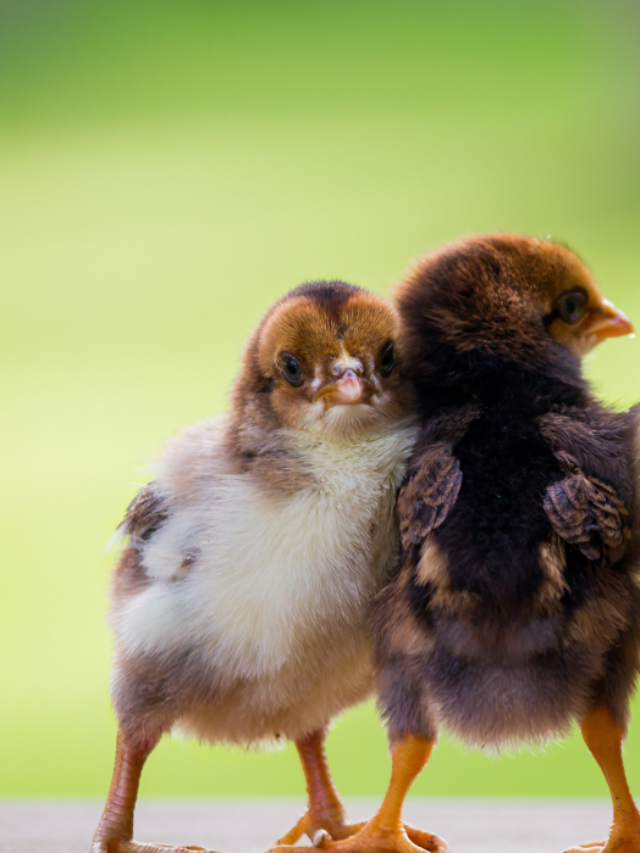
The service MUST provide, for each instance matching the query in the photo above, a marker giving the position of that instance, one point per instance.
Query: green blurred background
(167, 169)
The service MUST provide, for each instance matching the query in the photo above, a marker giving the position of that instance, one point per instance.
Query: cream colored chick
(240, 605)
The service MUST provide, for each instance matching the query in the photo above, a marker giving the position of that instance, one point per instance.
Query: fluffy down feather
(266, 598)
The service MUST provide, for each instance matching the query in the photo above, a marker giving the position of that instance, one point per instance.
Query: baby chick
(517, 607)
(240, 605)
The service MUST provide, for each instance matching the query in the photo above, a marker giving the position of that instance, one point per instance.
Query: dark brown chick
(517, 607)
(241, 603)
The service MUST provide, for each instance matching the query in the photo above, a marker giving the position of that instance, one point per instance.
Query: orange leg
(115, 830)
(385, 832)
(604, 738)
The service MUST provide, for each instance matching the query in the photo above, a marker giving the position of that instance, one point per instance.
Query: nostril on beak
(340, 369)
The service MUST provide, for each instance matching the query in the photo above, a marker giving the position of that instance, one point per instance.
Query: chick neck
(444, 375)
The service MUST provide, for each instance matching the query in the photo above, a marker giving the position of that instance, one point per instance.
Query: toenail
(321, 838)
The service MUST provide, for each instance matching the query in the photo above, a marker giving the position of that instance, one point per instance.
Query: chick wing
(434, 478)
(145, 514)
(588, 513)
(583, 507)
(428, 494)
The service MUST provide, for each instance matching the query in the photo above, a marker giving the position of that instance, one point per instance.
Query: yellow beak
(607, 321)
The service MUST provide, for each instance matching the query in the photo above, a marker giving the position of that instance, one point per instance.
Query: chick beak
(607, 321)
(348, 389)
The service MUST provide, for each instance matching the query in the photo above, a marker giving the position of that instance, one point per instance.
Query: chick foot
(385, 832)
(312, 825)
(121, 845)
(623, 839)
(374, 837)
(325, 831)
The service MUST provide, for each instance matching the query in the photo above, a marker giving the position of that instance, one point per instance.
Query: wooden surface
(245, 826)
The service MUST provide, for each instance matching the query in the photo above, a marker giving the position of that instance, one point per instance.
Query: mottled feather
(430, 491)
(145, 514)
(586, 512)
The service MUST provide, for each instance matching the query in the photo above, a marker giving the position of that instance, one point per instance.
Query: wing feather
(430, 491)
(586, 512)
(146, 514)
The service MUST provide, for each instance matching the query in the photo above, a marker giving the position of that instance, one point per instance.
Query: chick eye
(386, 361)
(572, 305)
(291, 369)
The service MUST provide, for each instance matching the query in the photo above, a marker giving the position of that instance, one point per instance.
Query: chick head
(510, 295)
(325, 360)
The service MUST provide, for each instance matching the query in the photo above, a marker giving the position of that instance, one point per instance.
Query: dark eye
(291, 369)
(572, 305)
(386, 360)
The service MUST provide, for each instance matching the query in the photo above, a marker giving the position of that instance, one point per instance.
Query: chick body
(241, 603)
(516, 631)
(267, 627)
(517, 608)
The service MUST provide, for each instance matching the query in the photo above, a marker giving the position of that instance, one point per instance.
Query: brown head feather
(326, 327)
(502, 293)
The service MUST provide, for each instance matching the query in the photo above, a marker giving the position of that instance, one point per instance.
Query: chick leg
(115, 829)
(385, 832)
(325, 810)
(604, 736)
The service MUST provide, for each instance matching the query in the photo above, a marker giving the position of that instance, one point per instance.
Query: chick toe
(371, 839)
(426, 840)
(624, 838)
(314, 825)
(122, 845)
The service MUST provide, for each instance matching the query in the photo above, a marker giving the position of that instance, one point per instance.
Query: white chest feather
(266, 578)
